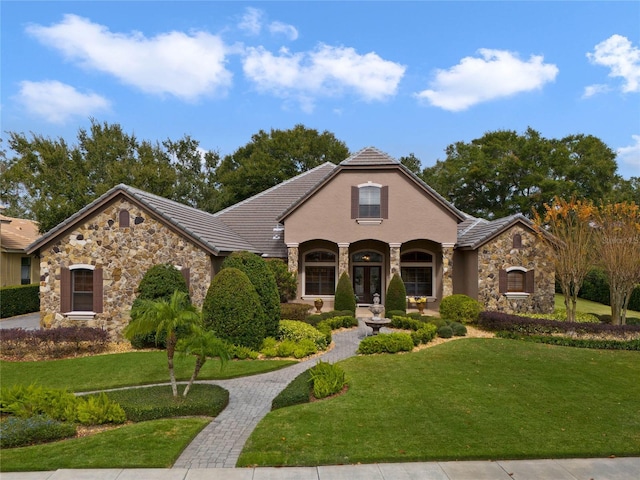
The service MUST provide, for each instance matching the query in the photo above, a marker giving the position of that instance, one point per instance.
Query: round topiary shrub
(232, 309)
(158, 283)
(345, 298)
(396, 295)
(261, 276)
(460, 308)
(459, 330)
(445, 331)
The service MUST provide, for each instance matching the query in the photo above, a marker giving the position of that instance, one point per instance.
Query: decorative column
(447, 269)
(394, 259)
(292, 257)
(343, 258)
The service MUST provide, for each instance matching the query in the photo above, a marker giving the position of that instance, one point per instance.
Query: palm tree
(203, 344)
(169, 317)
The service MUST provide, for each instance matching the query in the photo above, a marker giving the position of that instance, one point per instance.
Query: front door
(367, 280)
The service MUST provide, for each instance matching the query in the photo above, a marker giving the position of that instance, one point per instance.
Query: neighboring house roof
(16, 234)
(256, 217)
(370, 157)
(475, 232)
(201, 227)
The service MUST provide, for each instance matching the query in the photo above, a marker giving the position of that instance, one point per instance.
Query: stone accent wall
(500, 254)
(343, 258)
(447, 270)
(124, 255)
(292, 258)
(394, 260)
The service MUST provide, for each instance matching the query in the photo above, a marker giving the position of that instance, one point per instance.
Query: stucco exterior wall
(124, 254)
(499, 254)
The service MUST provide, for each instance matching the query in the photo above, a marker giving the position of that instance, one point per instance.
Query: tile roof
(256, 217)
(474, 232)
(17, 233)
(370, 156)
(201, 226)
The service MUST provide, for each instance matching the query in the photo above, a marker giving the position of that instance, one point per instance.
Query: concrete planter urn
(318, 303)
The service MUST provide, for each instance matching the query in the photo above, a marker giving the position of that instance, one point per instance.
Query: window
(320, 273)
(417, 271)
(25, 270)
(516, 281)
(81, 289)
(517, 241)
(124, 218)
(370, 200)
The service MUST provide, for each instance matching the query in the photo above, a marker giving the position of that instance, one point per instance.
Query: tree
(566, 228)
(203, 344)
(165, 318)
(270, 158)
(345, 298)
(396, 295)
(286, 281)
(504, 173)
(412, 163)
(53, 180)
(617, 228)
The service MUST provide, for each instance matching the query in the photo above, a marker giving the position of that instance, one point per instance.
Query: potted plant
(421, 302)
(318, 304)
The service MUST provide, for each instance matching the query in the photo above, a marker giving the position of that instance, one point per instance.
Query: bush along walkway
(219, 444)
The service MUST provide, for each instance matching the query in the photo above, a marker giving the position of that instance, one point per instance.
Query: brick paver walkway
(219, 444)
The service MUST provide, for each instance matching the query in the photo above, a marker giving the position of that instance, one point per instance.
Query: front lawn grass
(102, 372)
(587, 306)
(153, 444)
(463, 400)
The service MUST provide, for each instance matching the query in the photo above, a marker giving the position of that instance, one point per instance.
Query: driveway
(30, 321)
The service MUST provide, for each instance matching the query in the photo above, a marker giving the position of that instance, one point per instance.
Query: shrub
(595, 287)
(560, 314)
(242, 353)
(386, 343)
(261, 277)
(424, 334)
(396, 295)
(325, 329)
(405, 323)
(298, 331)
(98, 410)
(19, 432)
(445, 331)
(19, 299)
(150, 403)
(395, 313)
(295, 311)
(286, 281)
(603, 344)
(345, 298)
(52, 342)
(460, 308)
(304, 348)
(438, 322)
(233, 310)
(158, 283)
(297, 392)
(327, 379)
(459, 330)
(28, 401)
(269, 347)
(342, 321)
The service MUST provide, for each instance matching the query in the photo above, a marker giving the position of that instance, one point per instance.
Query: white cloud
(57, 102)
(591, 90)
(173, 63)
(622, 58)
(498, 74)
(251, 21)
(288, 30)
(631, 154)
(327, 71)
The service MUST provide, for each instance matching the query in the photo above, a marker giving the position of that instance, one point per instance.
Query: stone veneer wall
(124, 254)
(500, 254)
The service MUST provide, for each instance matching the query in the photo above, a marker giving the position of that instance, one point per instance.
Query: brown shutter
(186, 273)
(502, 281)
(65, 290)
(355, 201)
(384, 202)
(97, 290)
(123, 218)
(528, 281)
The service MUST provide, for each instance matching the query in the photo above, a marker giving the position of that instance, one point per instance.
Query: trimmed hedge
(297, 392)
(20, 432)
(298, 331)
(386, 343)
(295, 311)
(460, 308)
(503, 322)
(603, 344)
(19, 299)
(396, 295)
(49, 343)
(345, 298)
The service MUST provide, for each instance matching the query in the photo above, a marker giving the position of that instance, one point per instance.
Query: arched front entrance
(367, 275)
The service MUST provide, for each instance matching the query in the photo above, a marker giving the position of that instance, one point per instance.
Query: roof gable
(475, 232)
(200, 227)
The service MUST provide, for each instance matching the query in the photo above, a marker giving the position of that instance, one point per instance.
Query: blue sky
(405, 77)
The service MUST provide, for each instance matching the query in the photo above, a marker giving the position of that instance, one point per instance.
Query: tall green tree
(503, 172)
(165, 318)
(272, 157)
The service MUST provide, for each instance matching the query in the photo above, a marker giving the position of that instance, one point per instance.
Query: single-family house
(17, 267)
(369, 216)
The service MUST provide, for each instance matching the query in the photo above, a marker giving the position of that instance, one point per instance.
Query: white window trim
(81, 315)
(516, 295)
(82, 266)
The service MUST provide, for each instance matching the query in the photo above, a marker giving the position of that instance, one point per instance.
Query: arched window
(369, 201)
(123, 218)
(515, 281)
(320, 273)
(517, 240)
(417, 272)
(81, 289)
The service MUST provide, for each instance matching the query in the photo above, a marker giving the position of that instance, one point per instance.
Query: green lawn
(153, 444)
(101, 372)
(467, 399)
(588, 306)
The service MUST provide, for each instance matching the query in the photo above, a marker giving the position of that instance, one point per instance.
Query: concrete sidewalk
(567, 469)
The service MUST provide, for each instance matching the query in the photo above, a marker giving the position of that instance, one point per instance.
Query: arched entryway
(368, 277)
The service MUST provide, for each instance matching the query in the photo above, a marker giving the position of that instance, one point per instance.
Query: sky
(404, 77)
